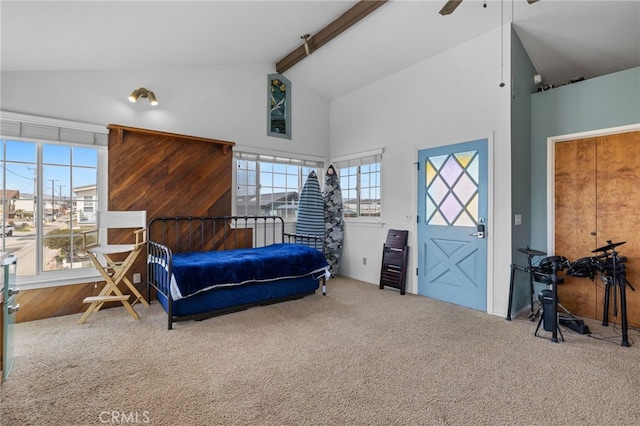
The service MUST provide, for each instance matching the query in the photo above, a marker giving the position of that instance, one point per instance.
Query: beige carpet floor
(358, 356)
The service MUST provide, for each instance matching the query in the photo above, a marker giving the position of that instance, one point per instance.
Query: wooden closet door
(618, 206)
(597, 200)
(575, 218)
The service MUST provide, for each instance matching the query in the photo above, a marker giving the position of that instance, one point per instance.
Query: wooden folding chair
(115, 271)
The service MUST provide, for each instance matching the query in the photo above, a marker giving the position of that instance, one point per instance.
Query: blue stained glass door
(452, 204)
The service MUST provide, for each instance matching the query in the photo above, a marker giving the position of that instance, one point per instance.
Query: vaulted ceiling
(564, 39)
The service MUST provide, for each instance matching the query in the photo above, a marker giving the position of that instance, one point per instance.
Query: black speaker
(546, 298)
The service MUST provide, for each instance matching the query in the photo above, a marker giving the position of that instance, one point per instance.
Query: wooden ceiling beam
(328, 33)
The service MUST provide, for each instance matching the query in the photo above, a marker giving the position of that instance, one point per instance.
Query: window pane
(84, 157)
(361, 190)
(55, 179)
(21, 177)
(279, 168)
(266, 180)
(64, 249)
(55, 238)
(246, 181)
(56, 154)
(452, 189)
(278, 189)
(292, 181)
(18, 202)
(266, 167)
(84, 176)
(279, 184)
(21, 151)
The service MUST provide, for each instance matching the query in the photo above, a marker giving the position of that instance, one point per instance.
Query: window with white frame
(360, 178)
(270, 185)
(53, 174)
(87, 204)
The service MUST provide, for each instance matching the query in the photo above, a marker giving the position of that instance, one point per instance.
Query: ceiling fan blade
(449, 7)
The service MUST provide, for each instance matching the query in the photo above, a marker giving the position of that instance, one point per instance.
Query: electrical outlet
(136, 278)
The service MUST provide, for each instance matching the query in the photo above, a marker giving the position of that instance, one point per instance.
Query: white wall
(451, 98)
(227, 103)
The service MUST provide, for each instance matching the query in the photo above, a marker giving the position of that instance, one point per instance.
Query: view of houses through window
(269, 185)
(360, 184)
(49, 195)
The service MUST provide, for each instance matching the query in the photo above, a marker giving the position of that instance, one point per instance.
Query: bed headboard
(204, 233)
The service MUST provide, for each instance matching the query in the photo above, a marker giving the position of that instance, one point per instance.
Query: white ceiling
(564, 39)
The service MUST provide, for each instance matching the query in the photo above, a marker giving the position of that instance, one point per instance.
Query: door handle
(480, 233)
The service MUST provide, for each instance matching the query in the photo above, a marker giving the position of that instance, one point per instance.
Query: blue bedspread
(199, 271)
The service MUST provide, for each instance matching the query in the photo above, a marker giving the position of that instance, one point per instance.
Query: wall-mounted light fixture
(141, 92)
(307, 49)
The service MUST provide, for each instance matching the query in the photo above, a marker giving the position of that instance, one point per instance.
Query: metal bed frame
(179, 234)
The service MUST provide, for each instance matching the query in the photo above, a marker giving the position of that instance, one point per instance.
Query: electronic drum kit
(608, 265)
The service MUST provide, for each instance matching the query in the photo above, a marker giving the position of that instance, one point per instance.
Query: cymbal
(531, 252)
(608, 247)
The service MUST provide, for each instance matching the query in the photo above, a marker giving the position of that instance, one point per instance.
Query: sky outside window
(64, 168)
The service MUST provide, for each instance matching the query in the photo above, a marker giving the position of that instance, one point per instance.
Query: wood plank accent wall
(165, 174)
(168, 174)
(54, 301)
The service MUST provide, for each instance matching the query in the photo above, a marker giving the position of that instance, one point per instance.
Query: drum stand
(617, 280)
(553, 314)
(528, 269)
(556, 263)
